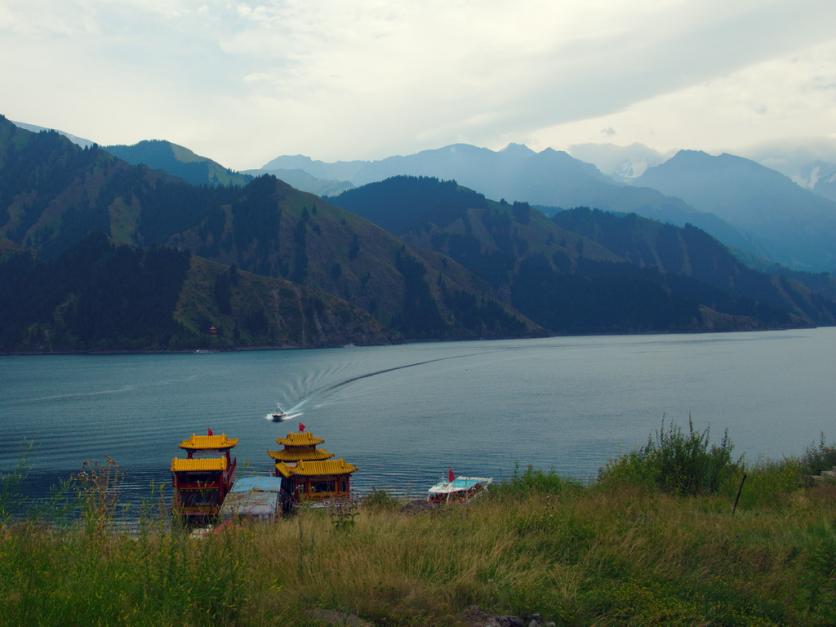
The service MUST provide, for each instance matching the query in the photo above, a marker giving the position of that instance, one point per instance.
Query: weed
(677, 462)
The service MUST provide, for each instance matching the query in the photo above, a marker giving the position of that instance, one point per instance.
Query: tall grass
(616, 552)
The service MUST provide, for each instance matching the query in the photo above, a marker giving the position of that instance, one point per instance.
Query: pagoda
(309, 473)
(300, 446)
(202, 480)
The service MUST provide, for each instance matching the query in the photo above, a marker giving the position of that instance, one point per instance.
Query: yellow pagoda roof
(208, 442)
(292, 455)
(205, 464)
(317, 468)
(300, 438)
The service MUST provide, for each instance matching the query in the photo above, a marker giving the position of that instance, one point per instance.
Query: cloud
(243, 81)
(608, 131)
(765, 101)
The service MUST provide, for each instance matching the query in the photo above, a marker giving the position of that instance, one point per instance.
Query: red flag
(209, 431)
(301, 426)
(450, 475)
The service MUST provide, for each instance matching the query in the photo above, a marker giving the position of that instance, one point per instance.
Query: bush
(380, 500)
(677, 462)
(819, 456)
(769, 484)
(533, 481)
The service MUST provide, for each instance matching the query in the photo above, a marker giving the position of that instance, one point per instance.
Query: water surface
(403, 414)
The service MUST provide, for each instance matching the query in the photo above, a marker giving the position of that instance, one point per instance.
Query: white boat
(280, 414)
(458, 489)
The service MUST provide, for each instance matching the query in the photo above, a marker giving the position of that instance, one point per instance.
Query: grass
(618, 551)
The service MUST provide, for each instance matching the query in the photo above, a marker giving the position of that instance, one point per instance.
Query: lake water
(403, 414)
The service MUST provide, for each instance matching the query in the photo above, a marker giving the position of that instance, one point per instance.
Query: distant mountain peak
(517, 150)
(178, 161)
(34, 128)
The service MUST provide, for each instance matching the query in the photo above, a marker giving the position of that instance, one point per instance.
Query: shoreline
(289, 347)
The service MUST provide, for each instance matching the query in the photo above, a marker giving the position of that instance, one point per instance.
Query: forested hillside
(99, 254)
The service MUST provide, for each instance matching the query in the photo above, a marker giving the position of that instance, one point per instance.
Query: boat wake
(322, 393)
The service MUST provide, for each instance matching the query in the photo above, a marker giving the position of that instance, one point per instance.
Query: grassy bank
(625, 549)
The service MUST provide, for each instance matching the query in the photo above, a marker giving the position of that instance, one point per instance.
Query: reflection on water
(403, 414)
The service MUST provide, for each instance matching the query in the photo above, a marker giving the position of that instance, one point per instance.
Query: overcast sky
(242, 82)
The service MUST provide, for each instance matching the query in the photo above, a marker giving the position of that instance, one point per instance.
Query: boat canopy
(300, 438)
(316, 468)
(296, 455)
(208, 442)
(203, 464)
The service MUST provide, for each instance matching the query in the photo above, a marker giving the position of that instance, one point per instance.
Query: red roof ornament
(209, 431)
(451, 476)
(301, 427)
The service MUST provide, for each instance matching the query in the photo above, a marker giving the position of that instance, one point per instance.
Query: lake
(404, 414)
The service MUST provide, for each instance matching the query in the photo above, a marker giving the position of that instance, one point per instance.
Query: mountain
(794, 226)
(572, 280)
(691, 252)
(303, 181)
(53, 194)
(804, 160)
(101, 254)
(824, 175)
(98, 296)
(34, 128)
(548, 178)
(620, 162)
(338, 171)
(178, 161)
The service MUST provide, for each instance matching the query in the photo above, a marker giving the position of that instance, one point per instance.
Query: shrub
(769, 484)
(535, 481)
(819, 456)
(380, 500)
(677, 462)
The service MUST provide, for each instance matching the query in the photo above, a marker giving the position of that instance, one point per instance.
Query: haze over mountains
(748, 211)
(792, 225)
(748, 207)
(403, 258)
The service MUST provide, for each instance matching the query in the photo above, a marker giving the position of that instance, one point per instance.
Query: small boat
(280, 414)
(458, 489)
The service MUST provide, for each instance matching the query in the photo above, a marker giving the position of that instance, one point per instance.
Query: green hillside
(53, 194)
(691, 252)
(180, 162)
(559, 277)
(97, 296)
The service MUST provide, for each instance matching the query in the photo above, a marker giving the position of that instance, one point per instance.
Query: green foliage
(819, 456)
(380, 499)
(96, 295)
(676, 462)
(768, 484)
(343, 515)
(11, 499)
(818, 580)
(534, 481)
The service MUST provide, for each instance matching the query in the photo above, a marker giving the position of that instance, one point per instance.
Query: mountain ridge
(795, 226)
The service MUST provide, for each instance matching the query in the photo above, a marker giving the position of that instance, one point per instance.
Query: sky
(243, 82)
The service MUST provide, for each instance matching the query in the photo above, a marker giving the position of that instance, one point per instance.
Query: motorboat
(279, 415)
(458, 489)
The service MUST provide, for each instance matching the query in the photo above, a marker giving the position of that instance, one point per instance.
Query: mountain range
(54, 194)
(561, 271)
(630, 179)
(549, 179)
(791, 225)
(89, 236)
